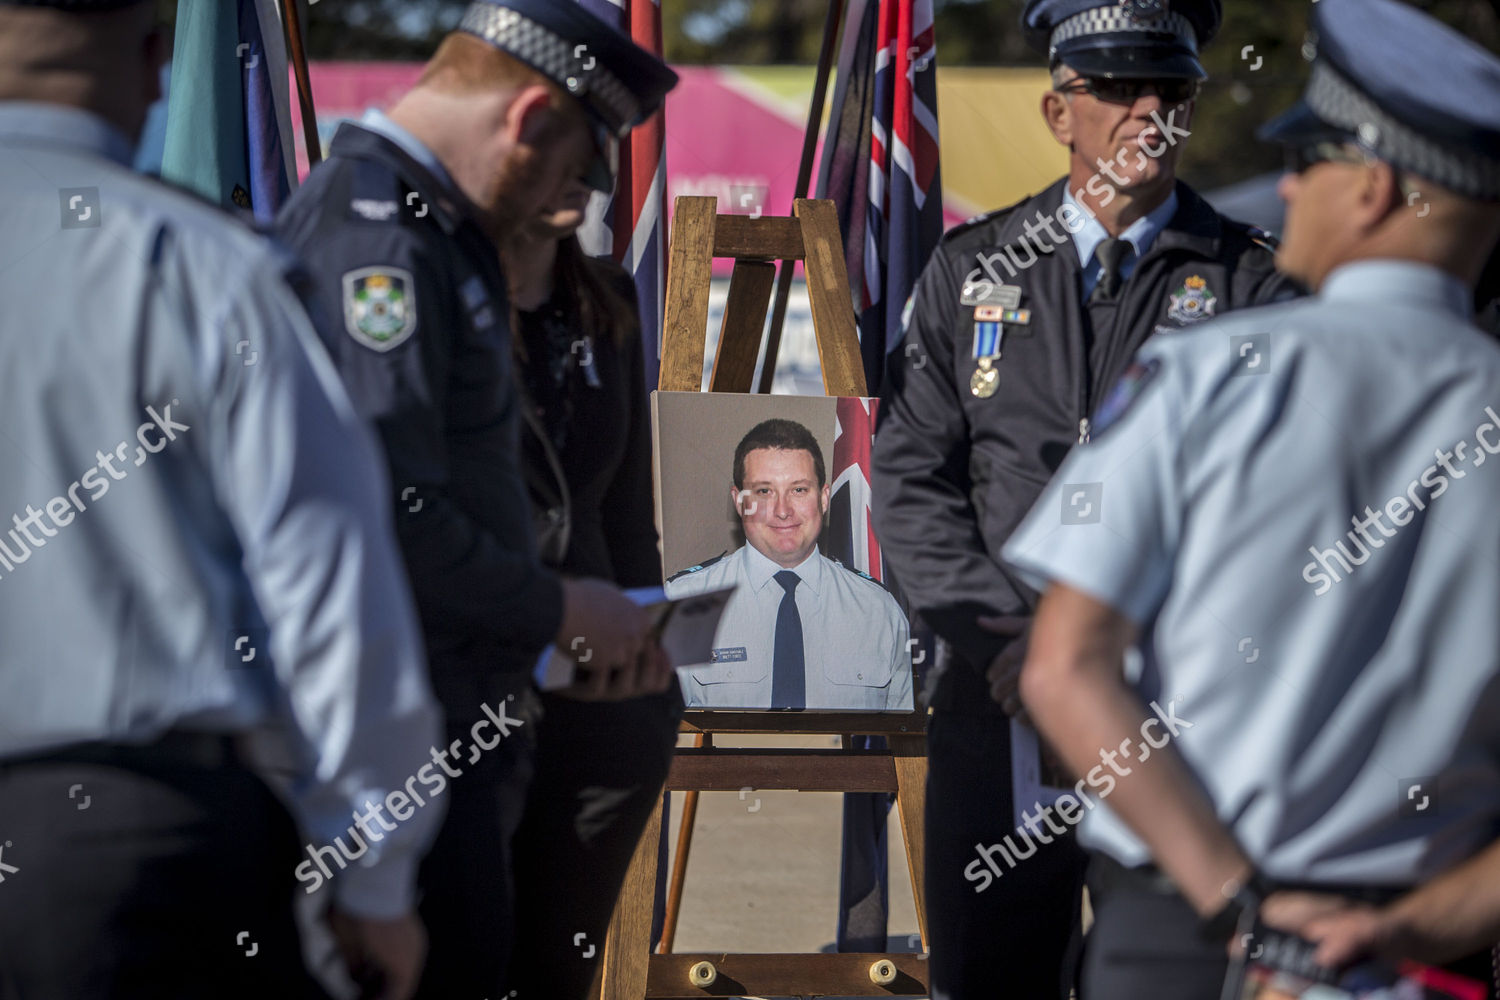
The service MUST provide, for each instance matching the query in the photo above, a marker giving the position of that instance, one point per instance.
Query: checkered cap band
(554, 57)
(1116, 18)
(1343, 105)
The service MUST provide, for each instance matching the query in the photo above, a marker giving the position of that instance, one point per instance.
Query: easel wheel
(883, 973)
(703, 974)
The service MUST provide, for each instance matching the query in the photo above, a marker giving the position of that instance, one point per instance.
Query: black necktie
(1112, 254)
(788, 664)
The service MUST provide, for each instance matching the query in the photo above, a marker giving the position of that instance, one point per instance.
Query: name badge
(730, 654)
(987, 293)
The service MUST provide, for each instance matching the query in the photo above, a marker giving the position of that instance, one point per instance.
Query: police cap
(1141, 39)
(618, 83)
(1405, 88)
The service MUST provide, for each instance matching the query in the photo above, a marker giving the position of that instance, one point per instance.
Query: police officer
(401, 225)
(1294, 522)
(1020, 322)
(196, 548)
(802, 630)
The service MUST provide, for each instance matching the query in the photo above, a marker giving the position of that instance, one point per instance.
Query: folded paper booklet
(685, 628)
(1280, 967)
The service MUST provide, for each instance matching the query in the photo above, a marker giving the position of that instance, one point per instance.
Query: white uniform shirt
(1337, 674)
(853, 634)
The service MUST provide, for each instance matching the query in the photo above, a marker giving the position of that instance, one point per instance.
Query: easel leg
(627, 947)
(679, 872)
(910, 758)
(679, 864)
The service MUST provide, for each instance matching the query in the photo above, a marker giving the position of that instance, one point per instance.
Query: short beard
(512, 199)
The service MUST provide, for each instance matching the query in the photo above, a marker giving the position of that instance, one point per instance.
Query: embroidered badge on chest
(380, 306)
(1194, 302)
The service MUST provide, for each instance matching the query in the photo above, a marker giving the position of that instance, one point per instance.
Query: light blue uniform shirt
(1341, 680)
(853, 636)
(1140, 234)
(195, 528)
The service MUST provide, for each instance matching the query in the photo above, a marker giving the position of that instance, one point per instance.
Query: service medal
(986, 381)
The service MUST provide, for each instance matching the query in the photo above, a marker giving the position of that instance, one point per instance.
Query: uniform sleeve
(899, 693)
(464, 577)
(1108, 524)
(303, 482)
(629, 513)
(927, 525)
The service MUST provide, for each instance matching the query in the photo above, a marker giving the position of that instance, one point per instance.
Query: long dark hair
(606, 306)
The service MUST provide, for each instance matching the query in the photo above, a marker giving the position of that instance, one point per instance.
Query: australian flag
(881, 165)
(851, 537)
(632, 229)
(228, 111)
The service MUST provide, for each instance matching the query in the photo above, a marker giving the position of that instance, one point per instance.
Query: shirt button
(859, 677)
(729, 674)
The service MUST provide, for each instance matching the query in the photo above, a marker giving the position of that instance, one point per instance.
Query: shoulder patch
(380, 306)
(1122, 397)
(698, 568)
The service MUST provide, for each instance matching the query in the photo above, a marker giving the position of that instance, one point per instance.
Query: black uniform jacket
(431, 367)
(587, 445)
(954, 474)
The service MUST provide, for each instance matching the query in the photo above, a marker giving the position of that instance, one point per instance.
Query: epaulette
(859, 573)
(979, 220)
(374, 192)
(698, 568)
(1262, 238)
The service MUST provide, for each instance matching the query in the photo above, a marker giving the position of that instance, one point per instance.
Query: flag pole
(292, 22)
(804, 178)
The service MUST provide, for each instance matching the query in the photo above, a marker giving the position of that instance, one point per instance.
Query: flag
(228, 111)
(844, 173)
(889, 57)
(851, 536)
(864, 892)
(631, 227)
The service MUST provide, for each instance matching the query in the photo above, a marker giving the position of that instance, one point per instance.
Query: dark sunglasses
(1172, 91)
(1300, 158)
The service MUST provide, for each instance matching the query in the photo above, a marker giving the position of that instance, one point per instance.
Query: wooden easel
(629, 971)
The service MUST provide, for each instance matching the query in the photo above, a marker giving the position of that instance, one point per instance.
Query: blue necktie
(1112, 255)
(788, 664)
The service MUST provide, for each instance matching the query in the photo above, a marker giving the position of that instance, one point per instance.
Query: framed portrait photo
(771, 495)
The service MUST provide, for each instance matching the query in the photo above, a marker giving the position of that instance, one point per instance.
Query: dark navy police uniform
(967, 443)
(422, 337)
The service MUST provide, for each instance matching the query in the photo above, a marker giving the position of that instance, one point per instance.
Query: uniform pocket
(871, 670)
